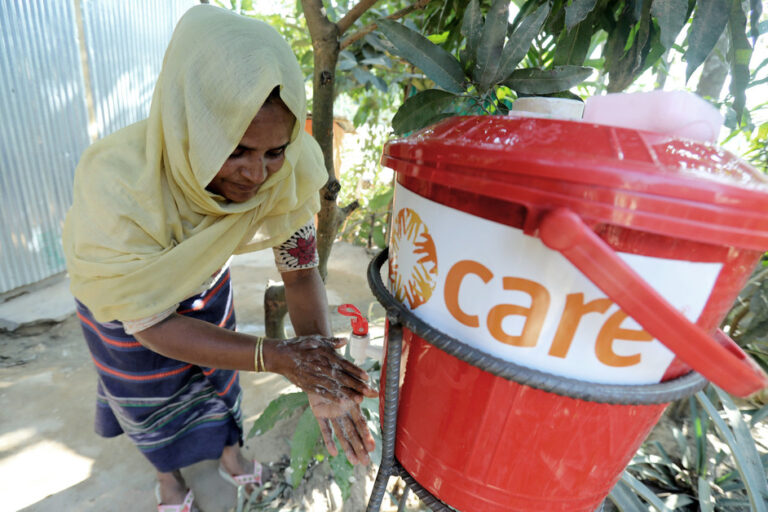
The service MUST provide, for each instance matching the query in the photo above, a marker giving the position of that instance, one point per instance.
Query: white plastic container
(675, 113)
(359, 339)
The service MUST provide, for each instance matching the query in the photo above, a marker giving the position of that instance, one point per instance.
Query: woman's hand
(335, 388)
(345, 418)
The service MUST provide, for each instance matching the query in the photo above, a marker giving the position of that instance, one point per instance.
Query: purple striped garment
(175, 413)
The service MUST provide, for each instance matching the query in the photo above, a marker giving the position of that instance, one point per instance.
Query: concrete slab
(51, 303)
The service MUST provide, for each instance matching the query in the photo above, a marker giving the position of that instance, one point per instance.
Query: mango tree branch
(420, 4)
(354, 14)
(325, 43)
(275, 308)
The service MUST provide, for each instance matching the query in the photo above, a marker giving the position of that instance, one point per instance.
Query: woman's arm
(334, 385)
(201, 343)
(307, 303)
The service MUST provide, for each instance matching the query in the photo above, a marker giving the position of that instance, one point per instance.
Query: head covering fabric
(143, 232)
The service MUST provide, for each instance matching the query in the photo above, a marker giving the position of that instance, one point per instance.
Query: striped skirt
(176, 413)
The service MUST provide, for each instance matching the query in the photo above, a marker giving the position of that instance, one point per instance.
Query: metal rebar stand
(389, 465)
(398, 316)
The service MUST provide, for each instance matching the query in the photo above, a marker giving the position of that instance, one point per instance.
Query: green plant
(365, 183)
(747, 321)
(307, 448)
(710, 462)
(485, 73)
(554, 40)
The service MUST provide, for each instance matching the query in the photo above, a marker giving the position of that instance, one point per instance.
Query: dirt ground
(50, 458)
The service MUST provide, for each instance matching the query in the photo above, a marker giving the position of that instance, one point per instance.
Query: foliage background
(372, 83)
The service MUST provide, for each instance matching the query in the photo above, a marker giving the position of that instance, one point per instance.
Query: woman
(221, 166)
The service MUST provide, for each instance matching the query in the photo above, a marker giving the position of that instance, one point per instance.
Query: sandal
(186, 506)
(244, 479)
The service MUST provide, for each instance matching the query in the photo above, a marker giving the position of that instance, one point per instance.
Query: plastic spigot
(359, 323)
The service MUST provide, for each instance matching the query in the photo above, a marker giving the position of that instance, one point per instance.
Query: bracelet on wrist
(258, 355)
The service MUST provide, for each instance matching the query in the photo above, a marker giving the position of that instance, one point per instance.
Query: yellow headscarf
(143, 233)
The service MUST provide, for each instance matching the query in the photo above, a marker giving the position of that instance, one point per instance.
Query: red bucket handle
(727, 366)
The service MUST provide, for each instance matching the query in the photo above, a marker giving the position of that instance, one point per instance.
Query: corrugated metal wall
(44, 115)
(125, 54)
(43, 130)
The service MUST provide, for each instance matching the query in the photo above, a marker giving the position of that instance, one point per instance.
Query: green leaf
(637, 8)
(347, 61)
(439, 65)
(671, 15)
(624, 59)
(706, 502)
(740, 52)
(742, 445)
(756, 8)
(379, 60)
(625, 499)
(520, 41)
(379, 240)
(303, 445)
(439, 38)
(331, 12)
(444, 14)
(707, 25)
(471, 26)
(343, 473)
(546, 81)
(381, 199)
(278, 409)
(360, 116)
(613, 50)
(573, 45)
(682, 446)
(700, 430)
(758, 302)
(491, 44)
(643, 491)
(654, 52)
(370, 408)
(527, 7)
(678, 501)
(759, 416)
(434, 119)
(577, 11)
(378, 43)
(417, 109)
(366, 77)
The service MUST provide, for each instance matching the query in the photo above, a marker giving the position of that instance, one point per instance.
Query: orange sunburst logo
(413, 262)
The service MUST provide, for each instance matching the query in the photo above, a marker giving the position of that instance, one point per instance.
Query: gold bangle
(257, 357)
(261, 355)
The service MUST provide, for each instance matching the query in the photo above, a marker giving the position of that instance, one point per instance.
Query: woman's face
(259, 155)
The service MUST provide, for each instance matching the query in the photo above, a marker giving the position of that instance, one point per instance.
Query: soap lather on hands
(335, 388)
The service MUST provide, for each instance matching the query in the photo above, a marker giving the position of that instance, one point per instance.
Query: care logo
(413, 259)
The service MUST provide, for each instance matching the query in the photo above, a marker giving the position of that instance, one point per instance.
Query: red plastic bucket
(586, 192)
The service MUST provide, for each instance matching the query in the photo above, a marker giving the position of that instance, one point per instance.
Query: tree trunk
(325, 43)
(275, 309)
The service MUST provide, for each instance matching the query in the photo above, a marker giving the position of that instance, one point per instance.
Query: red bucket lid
(625, 177)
